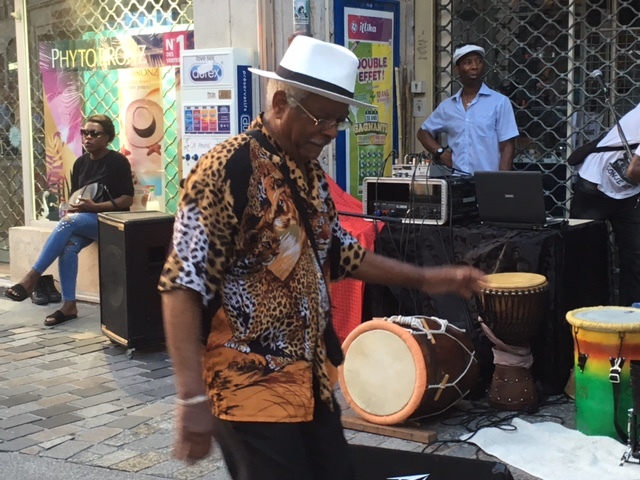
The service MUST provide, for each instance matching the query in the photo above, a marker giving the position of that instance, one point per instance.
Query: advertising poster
(120, 76)
(369, 34)
(142, 128)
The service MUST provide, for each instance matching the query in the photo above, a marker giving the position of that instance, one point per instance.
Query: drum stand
(633, 447)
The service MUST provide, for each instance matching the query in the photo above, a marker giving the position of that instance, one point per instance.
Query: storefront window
(120, 59)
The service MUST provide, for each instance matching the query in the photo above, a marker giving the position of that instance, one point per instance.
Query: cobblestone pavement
(68, 393)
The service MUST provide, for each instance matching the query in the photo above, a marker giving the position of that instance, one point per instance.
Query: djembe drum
(401, 367)
(511, 306)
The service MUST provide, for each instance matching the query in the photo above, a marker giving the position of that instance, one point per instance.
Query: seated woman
(79, 228)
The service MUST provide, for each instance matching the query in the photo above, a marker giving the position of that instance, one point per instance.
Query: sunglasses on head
(90, 133)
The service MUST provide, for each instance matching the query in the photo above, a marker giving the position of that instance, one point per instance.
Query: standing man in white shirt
(606, 188)
(479, 122)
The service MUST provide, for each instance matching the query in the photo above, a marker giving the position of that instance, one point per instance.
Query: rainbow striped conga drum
(606, 339)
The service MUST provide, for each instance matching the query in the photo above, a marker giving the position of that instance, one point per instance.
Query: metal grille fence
(540, 54)
(76, 20)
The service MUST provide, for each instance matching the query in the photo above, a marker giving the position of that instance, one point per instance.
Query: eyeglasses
(323, 123)
(90, 133)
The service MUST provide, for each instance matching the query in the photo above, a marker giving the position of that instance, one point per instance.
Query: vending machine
(217, 98)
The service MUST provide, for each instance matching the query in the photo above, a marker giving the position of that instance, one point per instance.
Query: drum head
(606, 319)
(512, 280)
(384, 376)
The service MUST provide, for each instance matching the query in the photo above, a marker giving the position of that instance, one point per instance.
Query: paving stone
(162, 391)
(24, 348)
(55, 380)
(155, 410)
(94, 372)
(18, 431)
(145, 429)
(56, 364)
(368, 439)
(127, 372)
(196, 471)
(139, 462)
(161, 373)
(63, 347)
(152, 442)
(165, 468)
(84, 457)
(58, 420)
(25, 355)
(51, 357)
(19, 399)
(155, 365)
(50, 342)
(123, 365)
(102, 449)
(91, 391)
(127, 436)
(123, 383)
(113, 458)
(57, 390)
(35, 450)
(128, 422)
(109, 397)
(12, 392)
(17, 444)
(90, 341)
(99, 434)
(87, 349)
(18, 343)
(16, 372)
(19, 330)
(31, 334)
(56, 400)
(56, 432)
(138, 401)
(90, 365)
(84, 335)
(97, 410)
(97, 421)
(54, 410)
(55, 442)
(66, 449)
(18, 420)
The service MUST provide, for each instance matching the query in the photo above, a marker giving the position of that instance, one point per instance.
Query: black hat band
(287, 74)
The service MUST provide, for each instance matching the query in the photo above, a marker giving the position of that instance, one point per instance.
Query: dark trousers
(624, 217)
(315, 450)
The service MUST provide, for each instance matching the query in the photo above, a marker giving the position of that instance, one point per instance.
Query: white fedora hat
(323, 68)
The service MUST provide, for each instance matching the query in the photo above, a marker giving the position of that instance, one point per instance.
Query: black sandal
(56, 318)
(17, 293)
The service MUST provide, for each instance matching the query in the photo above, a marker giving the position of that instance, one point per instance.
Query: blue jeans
(73, 233)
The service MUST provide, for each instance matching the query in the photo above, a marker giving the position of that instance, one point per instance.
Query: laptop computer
(513, 199)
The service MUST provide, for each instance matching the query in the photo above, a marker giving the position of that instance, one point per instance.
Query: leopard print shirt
(238, 238)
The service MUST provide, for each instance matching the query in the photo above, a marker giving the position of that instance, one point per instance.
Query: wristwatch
(441, 150)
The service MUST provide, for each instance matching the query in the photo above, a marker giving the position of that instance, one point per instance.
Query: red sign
(172, 44)
(369, 28)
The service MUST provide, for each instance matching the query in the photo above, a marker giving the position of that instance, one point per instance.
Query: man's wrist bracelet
(192, 401)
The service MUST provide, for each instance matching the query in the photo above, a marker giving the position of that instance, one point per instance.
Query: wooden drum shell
(513, 305)
(391, 373)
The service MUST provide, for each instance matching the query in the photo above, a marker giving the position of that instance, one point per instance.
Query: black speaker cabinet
(373, 463)
(132, 249)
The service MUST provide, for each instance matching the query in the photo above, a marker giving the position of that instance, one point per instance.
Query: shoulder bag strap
(334, 350)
